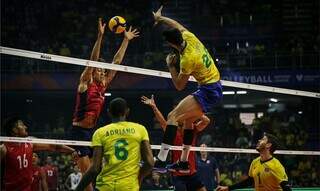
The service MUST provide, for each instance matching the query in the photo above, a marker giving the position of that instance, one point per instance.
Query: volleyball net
(43, 86)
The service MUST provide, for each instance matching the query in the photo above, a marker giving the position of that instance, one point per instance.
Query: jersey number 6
(121, 152)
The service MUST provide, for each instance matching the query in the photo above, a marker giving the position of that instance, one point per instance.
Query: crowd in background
(239, 38)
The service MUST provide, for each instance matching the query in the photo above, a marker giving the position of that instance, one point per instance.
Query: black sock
(188, 136)
(170, 134)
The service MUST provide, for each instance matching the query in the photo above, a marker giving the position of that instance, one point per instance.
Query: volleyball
(117, 24)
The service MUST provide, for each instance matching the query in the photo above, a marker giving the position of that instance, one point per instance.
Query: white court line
(135, 70)
(208, 149)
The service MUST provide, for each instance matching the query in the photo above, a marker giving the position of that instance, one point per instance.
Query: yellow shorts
(119, 185)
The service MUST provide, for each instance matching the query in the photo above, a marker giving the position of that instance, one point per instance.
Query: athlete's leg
(188, 137)
(189, 111)
(84, 164)
(187, 108)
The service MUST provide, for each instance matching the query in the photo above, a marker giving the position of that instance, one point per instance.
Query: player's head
(268, 142)
(35, 159)
(98, 74)
(118, 108)
(49, 160)
(202, 152)
(173, 37)
(14, 126)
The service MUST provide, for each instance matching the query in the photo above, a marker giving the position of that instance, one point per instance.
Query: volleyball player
(195, 61)
(266, 172)
(90, 95)
(17, 157)
(189, 181)
(39, 181)
(52, 174)
(120, 146)
(73, 179)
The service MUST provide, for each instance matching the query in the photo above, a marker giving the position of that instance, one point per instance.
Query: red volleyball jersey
(18, 166)
(89, 104)
(36, 178)
(192, 155)
(52, 176)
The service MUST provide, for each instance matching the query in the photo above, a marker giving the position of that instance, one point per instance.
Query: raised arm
(158, 18)
(86, 75)
(156, 111)
(54, 148)
(118, 57)
(179, 79)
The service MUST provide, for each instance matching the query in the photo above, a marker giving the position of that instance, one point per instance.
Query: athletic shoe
(180, 166)
(159, 166)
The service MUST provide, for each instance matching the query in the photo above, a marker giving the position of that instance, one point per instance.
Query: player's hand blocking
(157, 15)
(101, 27)
(148, 101)
(130, 34)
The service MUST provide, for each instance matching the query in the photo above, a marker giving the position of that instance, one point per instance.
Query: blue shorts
(208, 95)
(82, 134)
(187, 183)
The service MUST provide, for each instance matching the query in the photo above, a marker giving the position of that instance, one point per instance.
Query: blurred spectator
(156, 182)
(242, 140)
(52, 175)
(39, 182)
(207, 168)
(73, 179)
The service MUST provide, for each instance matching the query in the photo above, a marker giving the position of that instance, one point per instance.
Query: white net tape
(208, 149)
(135, 70)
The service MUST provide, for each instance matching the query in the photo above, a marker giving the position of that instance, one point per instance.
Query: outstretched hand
(148, 101)
(157, 15)
(101, 26)
(130, 34)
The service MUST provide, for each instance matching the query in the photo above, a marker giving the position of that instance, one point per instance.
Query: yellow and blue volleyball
(117, 24)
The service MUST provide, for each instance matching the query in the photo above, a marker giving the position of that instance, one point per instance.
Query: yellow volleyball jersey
(121, 152)
(196, 61)
(267, 175)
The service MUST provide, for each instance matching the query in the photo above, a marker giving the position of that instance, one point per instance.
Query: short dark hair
(173, 36)
(275, 144)
(9, 124)
(118, 107)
